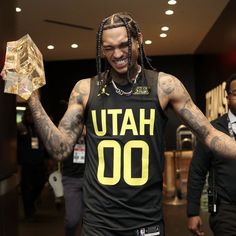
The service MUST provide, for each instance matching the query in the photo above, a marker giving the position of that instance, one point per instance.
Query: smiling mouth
(121, 62)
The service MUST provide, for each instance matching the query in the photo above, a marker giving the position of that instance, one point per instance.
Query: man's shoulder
(85, 81)
(160, 76)
(83, 85)
(163, 76)
(92, 79)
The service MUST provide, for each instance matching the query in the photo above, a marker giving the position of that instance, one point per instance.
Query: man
(32, 159)
(222, 176)
(122, 109)
(72, 180)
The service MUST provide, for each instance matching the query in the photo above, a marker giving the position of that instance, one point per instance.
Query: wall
(215, 58)
(8, 182)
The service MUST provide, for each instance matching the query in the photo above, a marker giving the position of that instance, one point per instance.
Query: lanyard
(231, 132)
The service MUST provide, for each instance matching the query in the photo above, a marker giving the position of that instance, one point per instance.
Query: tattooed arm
(172, 92)
(60, 141)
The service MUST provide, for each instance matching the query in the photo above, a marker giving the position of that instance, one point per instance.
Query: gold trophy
(23, 70)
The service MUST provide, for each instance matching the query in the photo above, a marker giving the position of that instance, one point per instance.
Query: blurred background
(193, 40)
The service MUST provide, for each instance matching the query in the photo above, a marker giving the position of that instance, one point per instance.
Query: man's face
(232, 97)
(115, 49)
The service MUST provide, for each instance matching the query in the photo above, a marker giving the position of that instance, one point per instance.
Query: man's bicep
(172, 92)
(72, 122)
(80, 93)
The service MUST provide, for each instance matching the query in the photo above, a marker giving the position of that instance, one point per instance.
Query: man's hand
(195, 225)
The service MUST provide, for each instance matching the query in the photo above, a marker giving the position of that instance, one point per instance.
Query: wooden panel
(183, 159)
(176, 172)
(169, 175)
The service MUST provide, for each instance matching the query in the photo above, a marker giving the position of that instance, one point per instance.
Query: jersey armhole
(92, 92)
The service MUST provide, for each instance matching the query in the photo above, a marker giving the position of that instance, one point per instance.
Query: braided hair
(114, 21)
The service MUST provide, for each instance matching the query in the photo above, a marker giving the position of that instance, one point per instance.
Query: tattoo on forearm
(70, 122)
(200, 130)
(218, 145)
(62, 151)
(59, 141)
(49, 133)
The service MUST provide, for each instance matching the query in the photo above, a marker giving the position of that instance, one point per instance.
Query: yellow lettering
(146, 118)
(116, 162)
(128, 162)
(216, 102)
(103, 121)
(144, 122)
(114, 113)
(128, 123)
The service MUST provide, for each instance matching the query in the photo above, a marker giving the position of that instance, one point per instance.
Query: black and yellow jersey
(124, 158)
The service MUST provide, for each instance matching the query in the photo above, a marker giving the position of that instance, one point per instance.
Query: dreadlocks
(118, 20)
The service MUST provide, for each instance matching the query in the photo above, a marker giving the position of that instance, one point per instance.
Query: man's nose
(117, 52)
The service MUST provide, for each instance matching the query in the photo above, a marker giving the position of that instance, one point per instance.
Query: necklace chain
(122, 92)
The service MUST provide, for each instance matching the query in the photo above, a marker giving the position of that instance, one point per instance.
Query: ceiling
(191, 21)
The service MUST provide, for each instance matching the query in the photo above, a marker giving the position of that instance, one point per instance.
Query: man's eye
(124, 45)
(107, 49)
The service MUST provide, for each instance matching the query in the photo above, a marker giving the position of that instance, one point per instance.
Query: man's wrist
(193, 210)
(34, 97)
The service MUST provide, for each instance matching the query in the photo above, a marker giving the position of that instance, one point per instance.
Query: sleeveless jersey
(124, 158)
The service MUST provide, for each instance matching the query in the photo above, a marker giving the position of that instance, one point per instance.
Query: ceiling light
(172, 2)
(50, 47)
(74, 45)
(163, 35)
(18, 9)
(165, 28)
(169, 12)
(148, 42)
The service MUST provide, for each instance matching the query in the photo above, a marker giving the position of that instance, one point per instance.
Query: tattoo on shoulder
(79, 91)
(166, 83)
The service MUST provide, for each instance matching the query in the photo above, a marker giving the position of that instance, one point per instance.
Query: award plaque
(23, 70)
